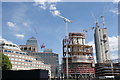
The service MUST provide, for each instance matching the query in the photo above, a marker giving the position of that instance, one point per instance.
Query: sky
(22, 20)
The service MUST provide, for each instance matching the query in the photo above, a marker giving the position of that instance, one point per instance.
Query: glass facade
(32, 41)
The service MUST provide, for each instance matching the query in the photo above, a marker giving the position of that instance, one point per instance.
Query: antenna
(103, 19)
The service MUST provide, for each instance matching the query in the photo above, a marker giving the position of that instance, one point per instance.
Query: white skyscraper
(101, 45)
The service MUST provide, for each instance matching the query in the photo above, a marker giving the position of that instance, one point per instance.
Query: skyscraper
(32, 41)
(101, 45)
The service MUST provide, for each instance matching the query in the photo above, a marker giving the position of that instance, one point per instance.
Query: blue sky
(22, 20)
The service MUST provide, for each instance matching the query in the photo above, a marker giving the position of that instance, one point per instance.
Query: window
(13, 55)
(10, 44)
(5, 54)
(17, 52)
(5, 50)
(23, 53)
(16, 59)
(6, 44)
(28, 61)
(20, 60)
(30, 48)
(12, 62)
(19, 63)
(16, 55)
(12, 58)
(9, 55)
(20, 53)
(13, 45)
(25, 48)
(15, 62)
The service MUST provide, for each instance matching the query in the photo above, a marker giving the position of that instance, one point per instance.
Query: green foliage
(6, 64)
(117, 77)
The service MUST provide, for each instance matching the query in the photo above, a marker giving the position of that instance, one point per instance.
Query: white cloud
(115, 11)
(41, 4)
(114, 56)
(115, 1)
(52, 7)
(53, 10)
(2, 39)
(21, 36)
(11, 24)
(54, 0)
(113, 43)
(55, 13)
(92, 44)
(25, 24)
(48, 4)
(48, 1)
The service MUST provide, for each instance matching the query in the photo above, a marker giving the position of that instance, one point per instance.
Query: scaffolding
(79, 55)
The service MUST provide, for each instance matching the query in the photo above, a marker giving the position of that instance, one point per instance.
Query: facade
(20, 60)
(28, 48)
(78, 61)
(48, 57)
(101, 45)
(32, 41)
(103, 71)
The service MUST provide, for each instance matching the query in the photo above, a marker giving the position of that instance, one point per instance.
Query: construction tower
(80, 57)
(102, 45)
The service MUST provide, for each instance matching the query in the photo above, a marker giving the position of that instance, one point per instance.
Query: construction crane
(65, 19)
(103, 19)
(86, 30)
(66, 29)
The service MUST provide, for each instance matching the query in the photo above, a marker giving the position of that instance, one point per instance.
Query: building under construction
(105, 67)
(78, 61)
(107, 70)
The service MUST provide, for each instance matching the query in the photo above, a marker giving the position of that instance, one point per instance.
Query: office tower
(48, 57)
(32, 41)
(102, 45)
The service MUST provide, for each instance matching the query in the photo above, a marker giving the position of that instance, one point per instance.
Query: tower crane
(86, 30)
(65, 19)
(103, 19)
(66, 29)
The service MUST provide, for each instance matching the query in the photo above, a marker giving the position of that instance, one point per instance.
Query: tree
(6, 64)
(117, 77)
